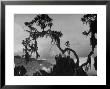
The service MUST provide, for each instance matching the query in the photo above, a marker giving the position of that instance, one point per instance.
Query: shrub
(19, 71)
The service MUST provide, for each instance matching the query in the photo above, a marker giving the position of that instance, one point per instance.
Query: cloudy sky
(69, 24)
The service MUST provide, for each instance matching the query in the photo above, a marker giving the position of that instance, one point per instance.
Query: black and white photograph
(55, 44)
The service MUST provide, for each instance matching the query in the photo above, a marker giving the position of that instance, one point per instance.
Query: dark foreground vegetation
(65, 66)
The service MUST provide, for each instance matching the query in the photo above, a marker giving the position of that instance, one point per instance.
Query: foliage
(91, 19)
(43, 21)
(64, 66)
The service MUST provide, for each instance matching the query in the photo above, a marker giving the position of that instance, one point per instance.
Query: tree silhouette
(90, 19)
(65, 66)
(42, 21)
(56, 35)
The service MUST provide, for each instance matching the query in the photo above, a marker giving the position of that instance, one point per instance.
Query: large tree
(41, 21)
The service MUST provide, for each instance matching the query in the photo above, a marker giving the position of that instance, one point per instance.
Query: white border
(100, 10)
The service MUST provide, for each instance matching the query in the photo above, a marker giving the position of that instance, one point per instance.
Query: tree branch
(88, 60)
(68, 49)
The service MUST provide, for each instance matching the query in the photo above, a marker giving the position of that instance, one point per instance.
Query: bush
(64, 66)
(19, 71)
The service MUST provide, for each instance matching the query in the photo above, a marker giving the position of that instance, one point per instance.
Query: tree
(91, 20)
(56, 35)
(42, 21)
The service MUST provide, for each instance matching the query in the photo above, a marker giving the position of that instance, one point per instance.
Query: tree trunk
(36, 48)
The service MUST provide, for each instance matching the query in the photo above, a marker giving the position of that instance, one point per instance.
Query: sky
(69, 24)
